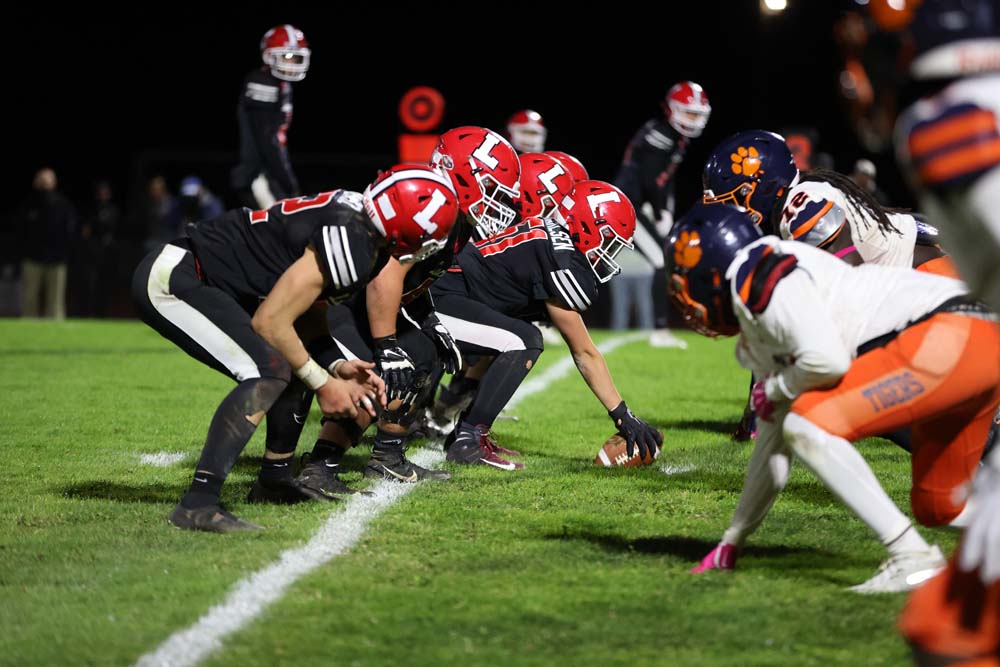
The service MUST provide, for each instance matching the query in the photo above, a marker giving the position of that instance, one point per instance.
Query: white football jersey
(816, 209)
(806, 325)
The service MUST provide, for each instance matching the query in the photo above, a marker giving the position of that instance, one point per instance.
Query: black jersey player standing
(264, 173)
(539, 269)
(647, 176)
(235, 293)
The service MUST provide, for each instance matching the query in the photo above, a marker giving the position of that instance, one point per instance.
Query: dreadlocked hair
(857, 198)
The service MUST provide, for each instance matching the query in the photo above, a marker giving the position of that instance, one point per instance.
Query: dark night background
(123, 95)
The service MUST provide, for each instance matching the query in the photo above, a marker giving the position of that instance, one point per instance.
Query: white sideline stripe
(251, 595)
(678, 470)
(162, 459)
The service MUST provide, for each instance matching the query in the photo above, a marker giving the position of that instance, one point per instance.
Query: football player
(264, 173)
(841, 353)
(545, 181)
(647, 177)
(526, 131)
(236, 292)
(394, 321)
(541, 268)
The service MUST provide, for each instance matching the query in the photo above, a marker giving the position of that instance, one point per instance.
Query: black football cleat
(320, 481)
(286, 491)
(210, 518)
(395, 467)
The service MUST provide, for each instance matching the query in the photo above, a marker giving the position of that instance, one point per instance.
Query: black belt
(959, 305)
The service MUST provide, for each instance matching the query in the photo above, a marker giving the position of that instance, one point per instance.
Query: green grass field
(561, 563)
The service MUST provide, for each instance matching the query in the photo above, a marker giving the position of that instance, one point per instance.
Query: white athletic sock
(845, 472)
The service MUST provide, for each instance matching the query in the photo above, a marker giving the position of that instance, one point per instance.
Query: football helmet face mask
(750, 170)
(601, 221)
(414, 207)
(285, 50)
(544, 183)
(701, 246)
(527, 131)
(573, 166)
(484, 169)
(687, 109)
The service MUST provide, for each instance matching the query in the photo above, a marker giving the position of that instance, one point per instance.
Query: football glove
(395, 367)
(762, 405)
(448, 352)
(636, 432)
(722, 557)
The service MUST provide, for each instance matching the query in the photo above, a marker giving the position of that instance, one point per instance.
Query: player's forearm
(594, 369)
(384, 295)
(766, 477)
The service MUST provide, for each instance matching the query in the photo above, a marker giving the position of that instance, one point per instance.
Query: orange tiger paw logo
(687, 250)
(746, 161)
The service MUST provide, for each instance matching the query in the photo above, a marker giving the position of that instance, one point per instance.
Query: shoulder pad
(758, 275)
(926, 234)
(811, 218)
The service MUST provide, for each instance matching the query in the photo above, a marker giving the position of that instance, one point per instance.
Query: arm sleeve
(767, 474)
(805, 329)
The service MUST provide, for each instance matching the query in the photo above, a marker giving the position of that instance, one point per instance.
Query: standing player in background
(264, 173)
(646, 176)
(240, 295)
(526, 131)
(841, 353)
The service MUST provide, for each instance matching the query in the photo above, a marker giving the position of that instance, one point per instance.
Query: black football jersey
(423, 274)
(524, 266)
(264, 113)
(244, 252)
(649, 165)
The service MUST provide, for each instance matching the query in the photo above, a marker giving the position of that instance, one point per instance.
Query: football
(614, 453)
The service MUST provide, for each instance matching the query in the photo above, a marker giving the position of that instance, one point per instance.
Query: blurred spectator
(864, 174)
(197, 202)
(47, 222)
(632, 288)
(162, 218)
(97, 260)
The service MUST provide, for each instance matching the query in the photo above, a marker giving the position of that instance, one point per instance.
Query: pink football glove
(762, 406)
(722, 557)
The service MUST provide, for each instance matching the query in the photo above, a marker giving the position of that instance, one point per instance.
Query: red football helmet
(544, 183)
(414, 207)
(285, 50)
(573, 166)
(601, 222)
(687, 108)
(527, 132)
(484, 169)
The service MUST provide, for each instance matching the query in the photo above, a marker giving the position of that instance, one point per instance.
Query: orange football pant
(940, 266)
(953, 620)
(942, 377)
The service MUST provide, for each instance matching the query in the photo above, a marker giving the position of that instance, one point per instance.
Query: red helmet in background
(527, 132)
(484, 169)
(545, 181)
(687, 109)
(414, 207)
(601, 221)
(573, 166)
(285, 50)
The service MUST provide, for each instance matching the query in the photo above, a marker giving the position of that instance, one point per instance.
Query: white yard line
(677, 470)
(162, 459)
(251, 595)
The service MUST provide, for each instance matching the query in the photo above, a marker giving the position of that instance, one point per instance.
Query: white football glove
(980, 546)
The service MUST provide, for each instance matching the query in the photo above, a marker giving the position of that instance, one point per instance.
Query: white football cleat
(664, 338)
(904, 572)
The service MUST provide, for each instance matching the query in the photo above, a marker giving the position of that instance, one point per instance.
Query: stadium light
(773, 6)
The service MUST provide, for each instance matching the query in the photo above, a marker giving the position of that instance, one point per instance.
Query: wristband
(312, 374)
(618, 412)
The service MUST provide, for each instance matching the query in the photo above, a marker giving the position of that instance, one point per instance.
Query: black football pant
(215, 329)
